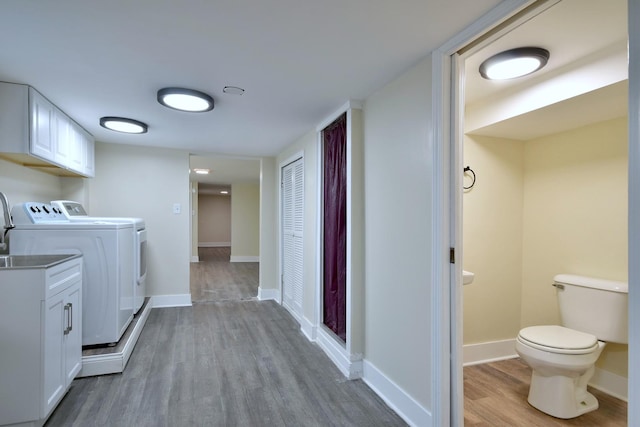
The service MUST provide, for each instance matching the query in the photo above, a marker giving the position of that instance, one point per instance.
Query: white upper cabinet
(35, 133)
(43, 127)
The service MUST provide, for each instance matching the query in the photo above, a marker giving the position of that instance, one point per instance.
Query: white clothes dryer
(74, 211)
(107, 250)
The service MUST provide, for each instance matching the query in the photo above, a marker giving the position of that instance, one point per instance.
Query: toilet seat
(558, 339)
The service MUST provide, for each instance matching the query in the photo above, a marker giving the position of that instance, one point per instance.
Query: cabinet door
(89, 156)
(54, 339)
(73, 339)
(43, 134)
(63, 135)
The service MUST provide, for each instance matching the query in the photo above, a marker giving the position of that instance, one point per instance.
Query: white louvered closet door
(292, 226)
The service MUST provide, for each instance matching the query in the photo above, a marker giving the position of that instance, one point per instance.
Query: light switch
(176, 208)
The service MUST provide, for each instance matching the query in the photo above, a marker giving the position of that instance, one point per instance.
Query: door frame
(447, 387)
(446, 369)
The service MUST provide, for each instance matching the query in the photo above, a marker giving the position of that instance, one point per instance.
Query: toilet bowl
(562, 358)
(561, 370)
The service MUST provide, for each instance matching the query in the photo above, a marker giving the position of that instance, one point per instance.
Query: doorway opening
(225, 211)
(526, 141)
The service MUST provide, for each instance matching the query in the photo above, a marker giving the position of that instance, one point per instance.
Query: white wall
(21, 184)
(269, 280)
(492, 238)
(136, 181)
(214, 220)
(398, 232)
(245, 223)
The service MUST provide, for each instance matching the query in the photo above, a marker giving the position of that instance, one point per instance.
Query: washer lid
(559, 337)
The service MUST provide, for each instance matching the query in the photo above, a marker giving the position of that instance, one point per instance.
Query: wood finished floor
(495, 394)
(214, 278)
(232, 362)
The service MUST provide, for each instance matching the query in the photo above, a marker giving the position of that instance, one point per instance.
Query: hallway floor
(231, 362)
(214, 278)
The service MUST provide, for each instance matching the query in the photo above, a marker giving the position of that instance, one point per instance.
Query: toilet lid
(559, 338)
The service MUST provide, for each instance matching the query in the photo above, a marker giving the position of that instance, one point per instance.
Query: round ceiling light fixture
(514, 63)
(181, 99)
(121, 124)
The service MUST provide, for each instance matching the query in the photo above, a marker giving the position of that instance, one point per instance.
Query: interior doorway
(601, 103)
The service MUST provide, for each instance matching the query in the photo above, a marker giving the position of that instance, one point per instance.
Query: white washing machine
(74, 211)
(107, 250)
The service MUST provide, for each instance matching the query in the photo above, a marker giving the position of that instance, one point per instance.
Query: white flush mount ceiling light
(121, 124)
(514, 63)
(201, 171)
(181, 99)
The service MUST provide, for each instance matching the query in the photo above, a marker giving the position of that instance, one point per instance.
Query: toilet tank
(596, 306)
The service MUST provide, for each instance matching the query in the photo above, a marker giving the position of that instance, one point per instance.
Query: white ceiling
(298, 60)
(583, 82)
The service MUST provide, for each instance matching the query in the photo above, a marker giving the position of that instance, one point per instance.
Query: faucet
(8, 223)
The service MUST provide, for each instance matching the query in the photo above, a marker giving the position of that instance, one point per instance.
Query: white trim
(244, 258)
(349, 365)
(442, 311)
(214, 244)
(319, 229)
(195, 259)
(446, 367)
(269, 294)
(115, 362)
(178, 300)
(308, 329)
(633, 411)
(611, 384)
(395, 397)
(349, 105)
(475, 354)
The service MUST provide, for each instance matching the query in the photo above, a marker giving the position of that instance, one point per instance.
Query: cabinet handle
(67, 313)
(70, 317)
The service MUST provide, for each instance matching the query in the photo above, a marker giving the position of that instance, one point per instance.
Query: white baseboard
(214, 244)
(180, 300)
(349, 365)
(610, 383)
(400, 401)
(114, 363)
(195, 259)
(243, 258)
(308, 329)
(474, 354)
(268, 294)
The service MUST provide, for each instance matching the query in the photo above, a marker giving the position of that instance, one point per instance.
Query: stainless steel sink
(32, 261)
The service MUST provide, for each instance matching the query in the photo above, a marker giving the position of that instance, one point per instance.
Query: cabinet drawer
(60, 277)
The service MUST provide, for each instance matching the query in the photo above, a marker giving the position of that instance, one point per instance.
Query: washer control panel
(36, 213)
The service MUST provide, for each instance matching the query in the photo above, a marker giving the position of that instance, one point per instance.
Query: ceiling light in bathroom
(514, 63)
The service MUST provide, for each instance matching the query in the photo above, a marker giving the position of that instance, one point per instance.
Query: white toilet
(593, 312)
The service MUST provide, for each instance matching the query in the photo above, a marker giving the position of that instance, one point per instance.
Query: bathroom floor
(495, 394)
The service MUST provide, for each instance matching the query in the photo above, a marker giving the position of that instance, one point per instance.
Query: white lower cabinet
(41, 339)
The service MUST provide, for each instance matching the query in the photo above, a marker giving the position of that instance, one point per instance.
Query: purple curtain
(335, 226)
